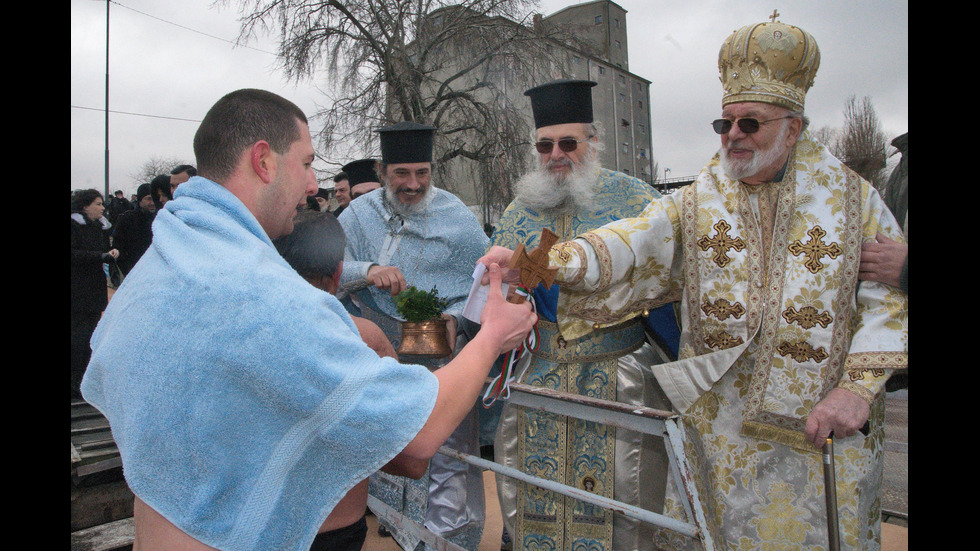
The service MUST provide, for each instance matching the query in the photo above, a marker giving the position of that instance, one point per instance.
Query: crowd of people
(267, 400)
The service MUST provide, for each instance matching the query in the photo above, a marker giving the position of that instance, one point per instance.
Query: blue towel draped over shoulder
(242, 399)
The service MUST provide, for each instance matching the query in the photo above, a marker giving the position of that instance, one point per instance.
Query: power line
(232, 42)
(186, 28)
(134, 114)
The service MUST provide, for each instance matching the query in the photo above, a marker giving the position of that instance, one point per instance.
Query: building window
(619, 45)
(617, 22)
(642, 128)
(622, 97)
(602, 70)
(598, 20)
(639, 103)
(626, 123)
(643, 153)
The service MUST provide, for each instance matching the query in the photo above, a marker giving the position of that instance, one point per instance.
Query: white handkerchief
(478, 295)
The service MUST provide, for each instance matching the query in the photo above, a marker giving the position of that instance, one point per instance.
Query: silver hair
(803, 118)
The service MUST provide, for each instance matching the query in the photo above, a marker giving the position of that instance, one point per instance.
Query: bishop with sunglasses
(570, 194)
(781, 345)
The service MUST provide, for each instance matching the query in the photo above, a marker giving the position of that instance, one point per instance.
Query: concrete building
(621, 99)
(597, 50)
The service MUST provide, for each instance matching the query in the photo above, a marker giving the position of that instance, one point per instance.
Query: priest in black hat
(411, 233)
(569, 193)
(363, 177)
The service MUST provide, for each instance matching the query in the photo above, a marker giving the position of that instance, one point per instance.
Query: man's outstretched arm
(504, 327)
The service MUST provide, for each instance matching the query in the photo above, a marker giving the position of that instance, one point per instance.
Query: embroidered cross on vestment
(721, 243)
(815, 249)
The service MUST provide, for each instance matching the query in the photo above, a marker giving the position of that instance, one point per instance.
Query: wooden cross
(774, 15)
(815, 249)
(721, 242)
(534, 266)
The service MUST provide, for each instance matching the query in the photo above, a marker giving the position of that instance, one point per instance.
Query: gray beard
(397, 207)
(542, 190)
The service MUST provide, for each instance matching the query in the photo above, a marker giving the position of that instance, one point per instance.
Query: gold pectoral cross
(533, 266)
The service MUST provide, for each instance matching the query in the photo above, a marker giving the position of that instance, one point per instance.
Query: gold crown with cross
(769, 62)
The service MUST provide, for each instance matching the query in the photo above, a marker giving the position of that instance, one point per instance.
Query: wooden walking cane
(830, 493)
(830, 488)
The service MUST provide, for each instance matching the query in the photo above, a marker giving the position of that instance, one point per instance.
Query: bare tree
(153, 167)
(449, 63)
(827, 136)
(861, 145)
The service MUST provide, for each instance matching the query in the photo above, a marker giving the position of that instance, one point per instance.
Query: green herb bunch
(417, 306)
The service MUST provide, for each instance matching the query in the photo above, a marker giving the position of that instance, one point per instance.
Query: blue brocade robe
(437, 247)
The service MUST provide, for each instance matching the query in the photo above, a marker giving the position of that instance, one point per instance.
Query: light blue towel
(241, 398)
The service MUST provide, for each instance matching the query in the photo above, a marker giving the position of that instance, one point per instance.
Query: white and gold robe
(773, 319)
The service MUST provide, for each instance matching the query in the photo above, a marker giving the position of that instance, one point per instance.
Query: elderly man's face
(409, 182)
(341, 191)
(561, 163)
(757, 157)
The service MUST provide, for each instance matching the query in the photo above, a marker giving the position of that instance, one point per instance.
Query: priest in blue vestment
(410, 233)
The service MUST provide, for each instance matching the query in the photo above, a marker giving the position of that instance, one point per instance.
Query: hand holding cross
(533, 266)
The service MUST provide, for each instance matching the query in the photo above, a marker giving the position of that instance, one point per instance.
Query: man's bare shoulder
(374, 337)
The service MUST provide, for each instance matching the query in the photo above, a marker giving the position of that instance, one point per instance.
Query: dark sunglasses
(748, 126)
(565, 144)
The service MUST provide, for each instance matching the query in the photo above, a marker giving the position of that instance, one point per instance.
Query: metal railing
(663, 424)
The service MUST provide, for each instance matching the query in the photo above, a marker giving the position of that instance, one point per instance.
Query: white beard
(541, 189)
(761, 160)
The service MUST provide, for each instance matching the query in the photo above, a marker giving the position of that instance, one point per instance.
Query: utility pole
(107, 99)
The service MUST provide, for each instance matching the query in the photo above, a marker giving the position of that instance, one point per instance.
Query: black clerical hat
(361, 171)
(561, 102)
(406, 142)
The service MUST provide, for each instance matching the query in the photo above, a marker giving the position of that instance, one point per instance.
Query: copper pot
(425, 338)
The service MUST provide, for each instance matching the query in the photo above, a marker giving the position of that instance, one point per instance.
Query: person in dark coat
(132, 234)
(89, 291)
(116, 206)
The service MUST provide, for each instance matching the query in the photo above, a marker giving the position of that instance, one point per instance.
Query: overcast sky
(170, 61)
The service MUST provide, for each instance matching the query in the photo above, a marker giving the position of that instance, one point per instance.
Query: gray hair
(803, 118)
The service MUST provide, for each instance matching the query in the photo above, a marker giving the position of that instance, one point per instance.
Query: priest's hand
(387, 277)
(507, 324)
(883, 261)
(501, 257)
(841, 412)
(451, 327)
